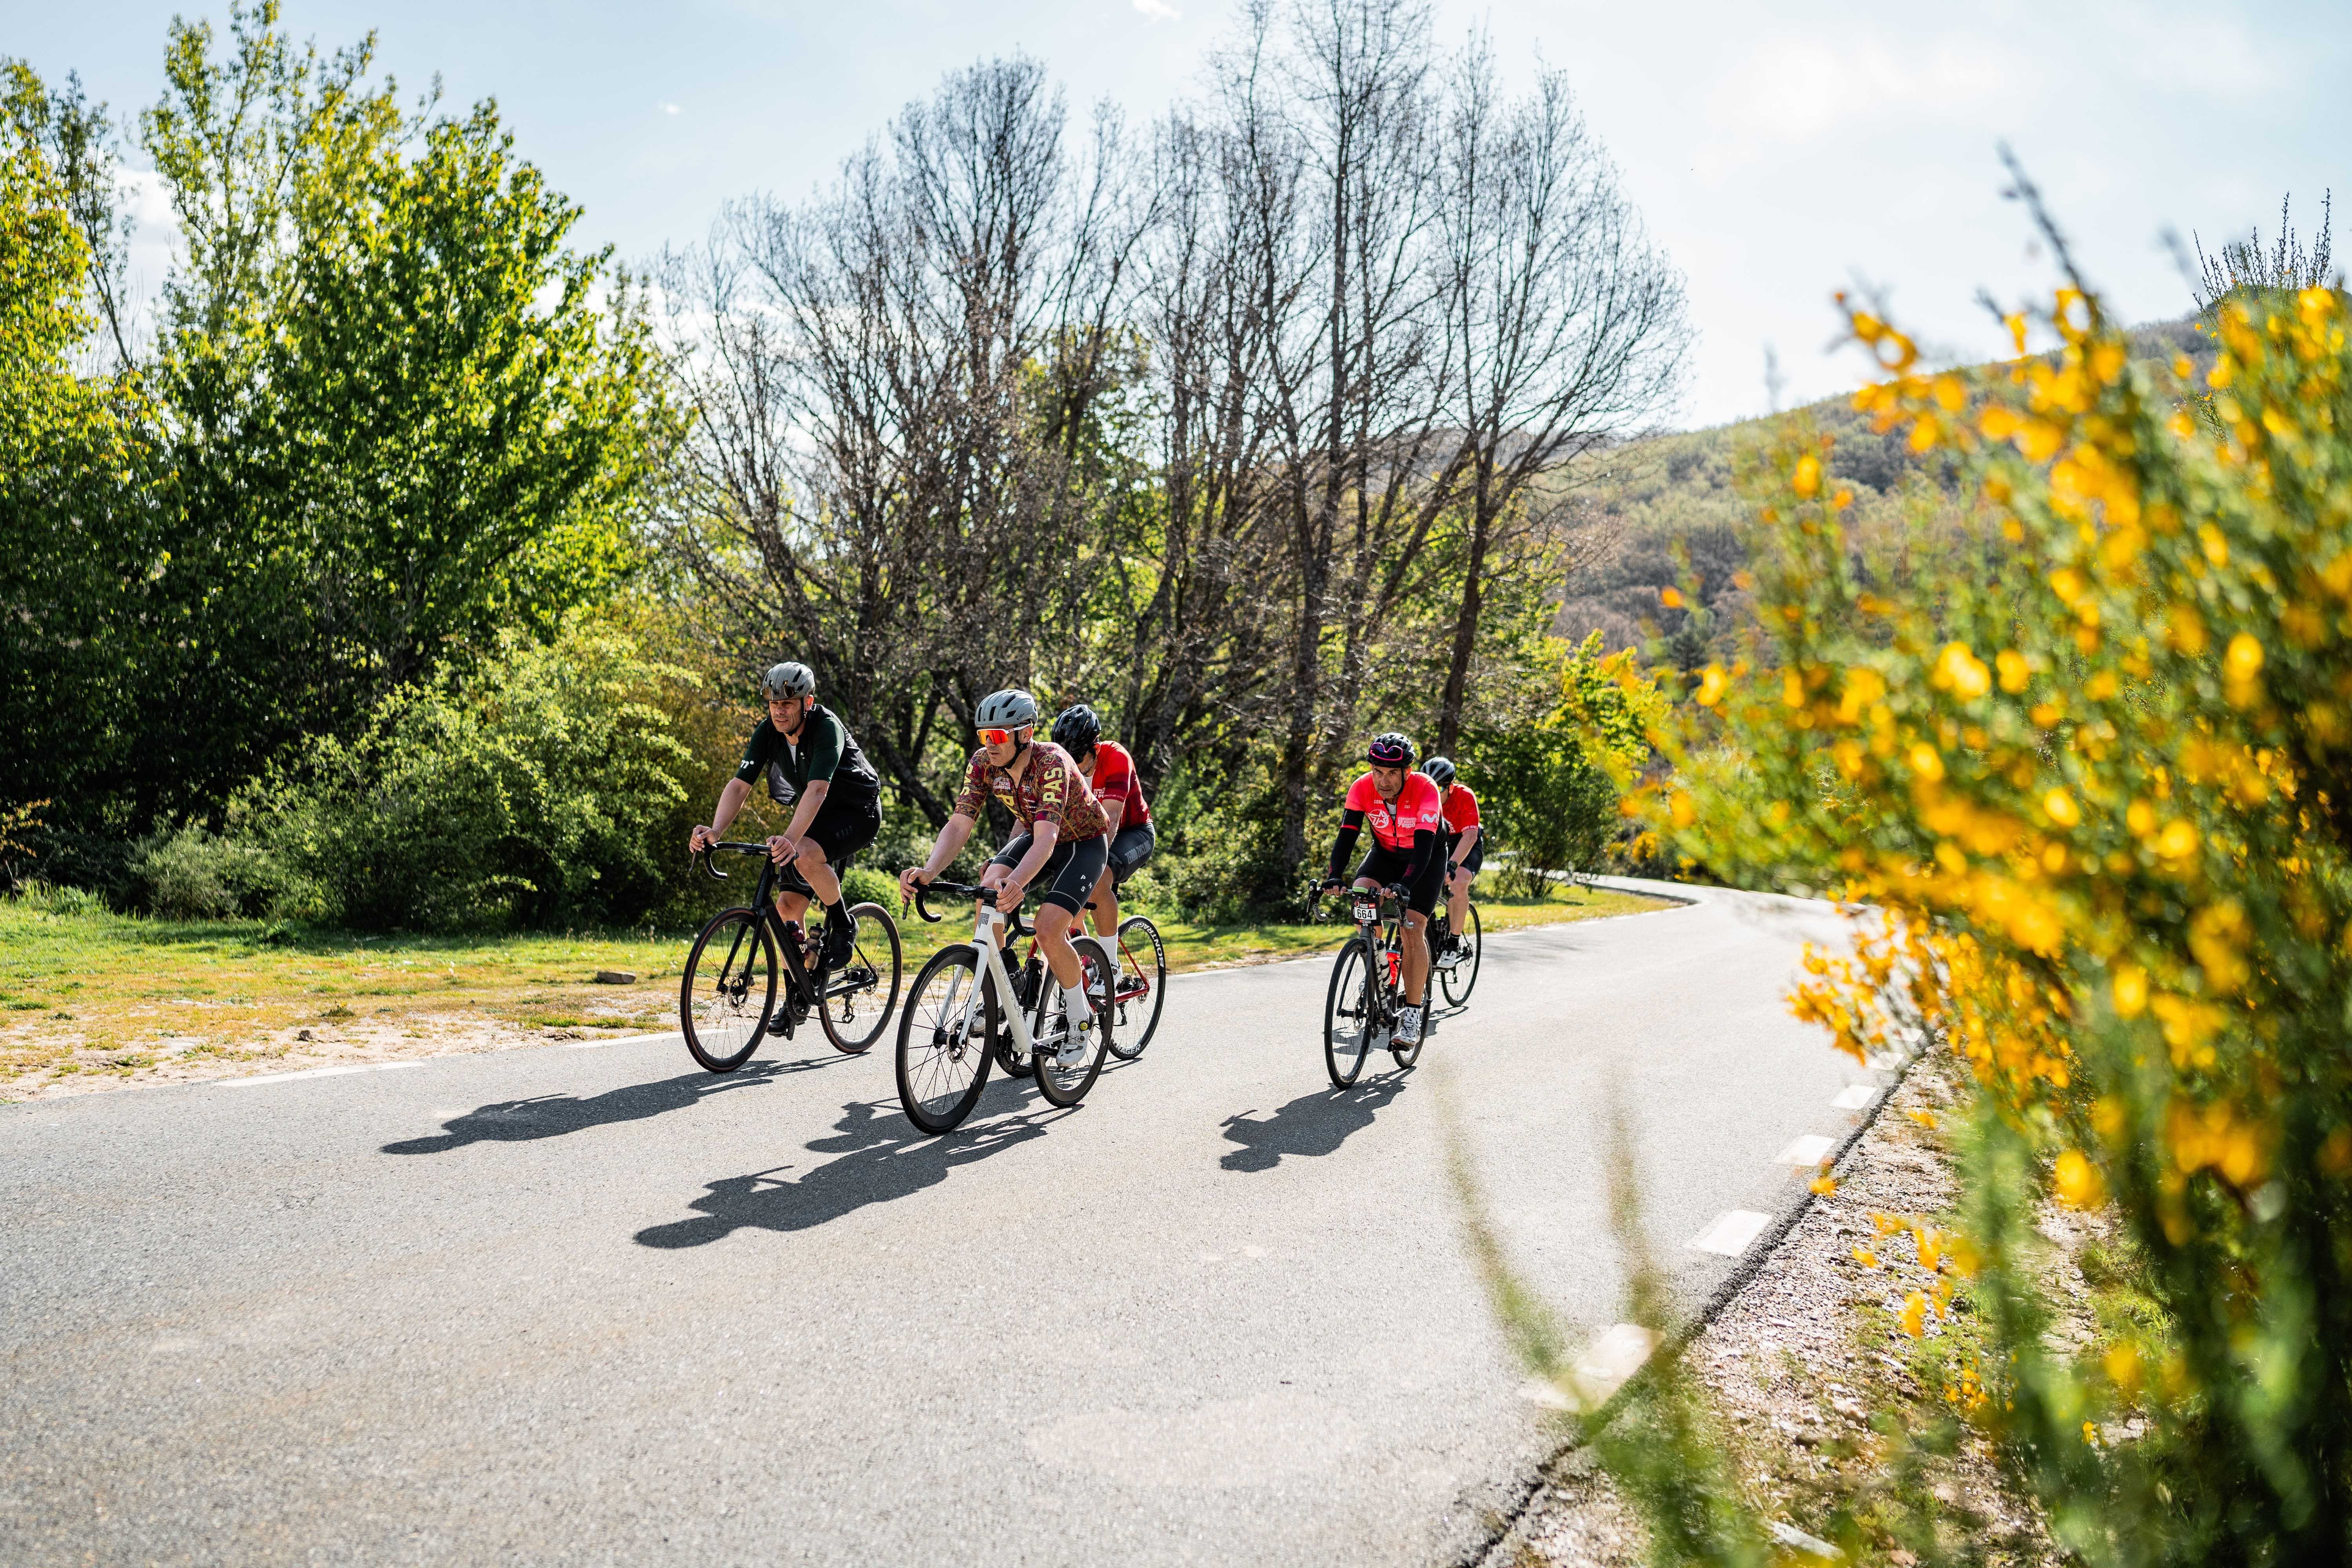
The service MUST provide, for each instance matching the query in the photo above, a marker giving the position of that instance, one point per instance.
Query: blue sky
(1779, 151)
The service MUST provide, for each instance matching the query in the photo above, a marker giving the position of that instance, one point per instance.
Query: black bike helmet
(1388, 749)
(787, 681)
(1078, 730)
(1440, 770)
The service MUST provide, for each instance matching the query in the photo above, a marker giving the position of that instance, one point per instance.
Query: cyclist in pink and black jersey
(1110, 770)
(1406, 816)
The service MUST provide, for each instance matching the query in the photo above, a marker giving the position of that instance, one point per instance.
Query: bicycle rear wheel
(1351, 1012)
(860, 995)
(1066, 1085)
(1142, 987)
(1457, 979)
(943, 1063)
(728, 988)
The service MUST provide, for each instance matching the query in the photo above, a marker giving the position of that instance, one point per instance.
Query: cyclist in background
(1465, 851)
(1406, 819)
(813, 764)
(1059, 840)
(1110, 771)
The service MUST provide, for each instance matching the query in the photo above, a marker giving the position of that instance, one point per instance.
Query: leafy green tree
(1549, 784)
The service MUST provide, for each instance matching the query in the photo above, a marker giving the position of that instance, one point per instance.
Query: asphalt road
(593, 1305)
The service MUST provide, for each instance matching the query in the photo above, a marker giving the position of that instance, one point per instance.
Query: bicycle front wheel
(860, 995)
(729, 990)
(943, 1041)
(1351, 1012)
(1457, 978)
(1062, 1083)
(1142, 987)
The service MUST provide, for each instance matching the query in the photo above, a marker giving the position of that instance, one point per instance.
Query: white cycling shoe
(1408, 1027)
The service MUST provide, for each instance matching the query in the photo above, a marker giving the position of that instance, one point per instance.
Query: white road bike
(957, 1018)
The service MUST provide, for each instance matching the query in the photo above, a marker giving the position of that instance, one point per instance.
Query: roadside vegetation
(90, 998)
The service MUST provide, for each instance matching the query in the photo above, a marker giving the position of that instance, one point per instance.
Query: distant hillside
(1678, 488)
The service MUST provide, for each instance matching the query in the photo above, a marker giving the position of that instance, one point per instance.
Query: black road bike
(1367, 989)
(966, 1010)
(1455, 976)
(728, 1002)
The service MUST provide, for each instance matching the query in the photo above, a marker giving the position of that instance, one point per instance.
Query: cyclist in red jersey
(1406, 818)
(1110, 771)
(1060, 841)
(1466, 850)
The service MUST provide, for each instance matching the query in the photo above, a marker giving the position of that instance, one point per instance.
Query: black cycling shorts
(1130, 848)
(1477, 852)
(841, 834)
(1385, 865)
(1069, 873)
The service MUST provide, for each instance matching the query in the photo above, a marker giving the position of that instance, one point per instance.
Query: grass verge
(89, 999)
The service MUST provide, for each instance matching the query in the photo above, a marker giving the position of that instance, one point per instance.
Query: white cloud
(1157, 10)
(672, 109)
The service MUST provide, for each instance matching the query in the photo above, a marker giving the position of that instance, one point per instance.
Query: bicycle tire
(1063, 1086)
(1349, 1002)
(1126, 1044)
(723, 1032)
(1457, 982)
(841, 1031)
(930, 1053)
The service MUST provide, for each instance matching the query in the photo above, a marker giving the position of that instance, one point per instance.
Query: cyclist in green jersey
(813, 764)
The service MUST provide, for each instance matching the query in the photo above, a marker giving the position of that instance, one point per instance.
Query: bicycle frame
(986, 942)
(800, 979)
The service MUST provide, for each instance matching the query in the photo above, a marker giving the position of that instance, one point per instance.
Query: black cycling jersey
(826, 753)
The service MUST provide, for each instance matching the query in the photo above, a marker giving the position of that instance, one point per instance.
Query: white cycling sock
(1076, 1007)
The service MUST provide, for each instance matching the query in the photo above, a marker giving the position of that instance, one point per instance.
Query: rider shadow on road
(1314, 1124)
(882, 1157)
(552, 1115)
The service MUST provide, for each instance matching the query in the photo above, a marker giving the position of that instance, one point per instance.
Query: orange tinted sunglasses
(996, 737)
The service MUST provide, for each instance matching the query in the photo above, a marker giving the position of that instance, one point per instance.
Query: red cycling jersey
(1116, 779)
(1394, 822)
(1461, 808)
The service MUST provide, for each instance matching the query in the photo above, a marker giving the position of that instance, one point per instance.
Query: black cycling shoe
(838, 943)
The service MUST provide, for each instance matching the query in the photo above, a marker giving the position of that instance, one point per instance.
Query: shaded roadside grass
(120, 997)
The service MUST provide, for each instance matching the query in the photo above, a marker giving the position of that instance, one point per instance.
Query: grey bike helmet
(787, 681)
(1440, 770)
(1078, 730)
(1011, 708)
(1388, 749)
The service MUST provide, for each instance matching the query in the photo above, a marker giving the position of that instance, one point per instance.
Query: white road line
(1856, 1096)
(313, 1072)
(1731, 1233)
(1810, 1150)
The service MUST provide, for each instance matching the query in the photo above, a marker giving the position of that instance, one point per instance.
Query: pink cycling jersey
(1394, 822)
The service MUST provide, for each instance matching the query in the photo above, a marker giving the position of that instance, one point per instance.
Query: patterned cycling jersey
(1116, 780)
(1461, 809)
(1051, 789)
(1394, 822)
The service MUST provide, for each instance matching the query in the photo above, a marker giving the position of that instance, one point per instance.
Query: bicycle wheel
(1142, 986)
(1067, 1085)
(943, 1064)
(1458, 978)
(1351, 1012)
(860, 995)
(728, 989)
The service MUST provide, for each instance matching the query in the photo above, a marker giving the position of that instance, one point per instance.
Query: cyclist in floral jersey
(1403, 811)
(1059, 840)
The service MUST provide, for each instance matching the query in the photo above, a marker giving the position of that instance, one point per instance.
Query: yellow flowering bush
(2085, 780)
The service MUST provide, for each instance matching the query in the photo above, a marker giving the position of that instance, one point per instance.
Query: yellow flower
(1821, 1186)
(2178, 841)
(1926, 763)
(1864, 1257)
(1807, 481)
(2014, 671)
(1671, 598)
(1710, 686)
(2060, 807)
(2244, 660)
(2123, 1367)
(1960, 669)
(2131, 990)
(1915, 1315)
(2080, 1185)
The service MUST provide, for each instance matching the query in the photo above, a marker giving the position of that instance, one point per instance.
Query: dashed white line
(1855, 1098)
(314, 1072)
(1731, 1232)
(1810, 1150)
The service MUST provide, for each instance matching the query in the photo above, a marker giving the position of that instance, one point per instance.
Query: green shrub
(191, 874)
(51, 898)
(544, 791)
(865, 885)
